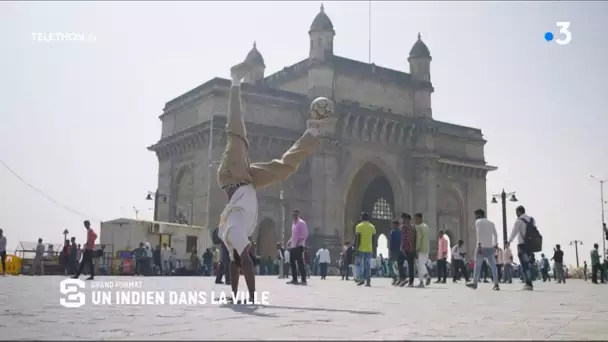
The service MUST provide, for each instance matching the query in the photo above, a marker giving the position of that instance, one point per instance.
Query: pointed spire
(254, 56)
(420, 49)
(321, 22)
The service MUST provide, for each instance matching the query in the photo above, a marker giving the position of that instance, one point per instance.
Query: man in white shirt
(519, 231)
(508, 266)
(165, 257)
(39, 258)
(486, 240)
(324, 260)
(458, 254)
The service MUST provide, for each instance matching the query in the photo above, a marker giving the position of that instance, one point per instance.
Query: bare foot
(319, 127)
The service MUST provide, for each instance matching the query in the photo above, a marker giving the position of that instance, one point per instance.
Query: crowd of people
(73, 257)
(408, 254)
(401, 265)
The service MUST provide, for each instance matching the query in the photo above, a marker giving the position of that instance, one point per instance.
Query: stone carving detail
(462, 172)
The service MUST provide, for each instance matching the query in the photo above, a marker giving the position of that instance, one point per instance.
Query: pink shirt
(91, 237)
(442, 248)
(299, 233)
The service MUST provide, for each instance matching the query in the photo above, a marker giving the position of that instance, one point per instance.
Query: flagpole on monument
(369, 32)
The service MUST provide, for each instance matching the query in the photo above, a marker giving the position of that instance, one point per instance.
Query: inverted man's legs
(235, 169)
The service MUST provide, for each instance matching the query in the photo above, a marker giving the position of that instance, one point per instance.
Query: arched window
(382, 210)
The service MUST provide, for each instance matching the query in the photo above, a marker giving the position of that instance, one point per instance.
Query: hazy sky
(76, 117)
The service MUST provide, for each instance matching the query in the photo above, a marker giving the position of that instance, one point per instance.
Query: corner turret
(254, 57)
(420, 61)
(321, 35)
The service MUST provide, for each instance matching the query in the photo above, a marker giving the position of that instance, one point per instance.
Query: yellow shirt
(366, 231)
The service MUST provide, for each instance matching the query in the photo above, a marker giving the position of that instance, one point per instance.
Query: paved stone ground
(330, 309)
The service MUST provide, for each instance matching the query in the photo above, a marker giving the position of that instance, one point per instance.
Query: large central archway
(370, 192)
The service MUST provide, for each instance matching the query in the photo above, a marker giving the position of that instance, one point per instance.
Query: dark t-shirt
(73, 252)
(349, 255)
(207, 257)
(156, 256)
(139, 253)
(558, 256)
(395, 241)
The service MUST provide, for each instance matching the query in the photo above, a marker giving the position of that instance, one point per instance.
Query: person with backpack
(529, 241)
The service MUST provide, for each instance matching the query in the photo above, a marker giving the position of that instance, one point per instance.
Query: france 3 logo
(564, 36)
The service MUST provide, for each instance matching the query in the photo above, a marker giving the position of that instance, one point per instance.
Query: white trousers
(238, 219)
(422, 270)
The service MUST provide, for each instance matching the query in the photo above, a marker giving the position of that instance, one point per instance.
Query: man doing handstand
(240, 179)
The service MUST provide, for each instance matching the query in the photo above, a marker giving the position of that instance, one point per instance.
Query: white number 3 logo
(565, 34)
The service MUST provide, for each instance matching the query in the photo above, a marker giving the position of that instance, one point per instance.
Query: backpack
(533, 241)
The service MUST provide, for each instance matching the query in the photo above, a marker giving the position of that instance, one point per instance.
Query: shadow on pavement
(252, 310)
(248, 310)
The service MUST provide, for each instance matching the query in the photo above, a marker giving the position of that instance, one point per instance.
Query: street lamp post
(503, 201)
(65, 234)
(157, 195)
(602, 181)
(209, 172)
(282, 198)
(576, 243)
(210, 165)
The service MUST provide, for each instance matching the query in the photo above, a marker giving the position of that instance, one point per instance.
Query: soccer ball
(321, 108)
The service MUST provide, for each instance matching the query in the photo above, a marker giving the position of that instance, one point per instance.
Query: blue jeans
(524, 261)
(365, 267)
(488, 254)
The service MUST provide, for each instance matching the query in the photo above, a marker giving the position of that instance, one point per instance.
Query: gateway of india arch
(385, 154)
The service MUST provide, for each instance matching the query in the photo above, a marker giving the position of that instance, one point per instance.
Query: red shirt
(91, 237)
(408, 233)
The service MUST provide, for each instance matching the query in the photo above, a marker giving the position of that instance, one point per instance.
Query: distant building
(124, 234)
(386, 153)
